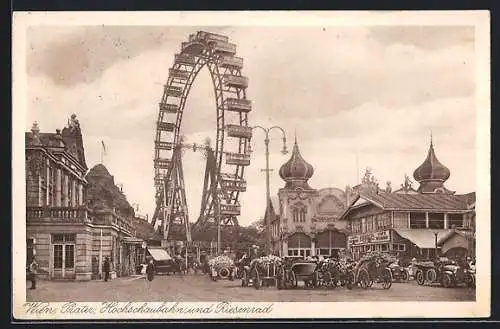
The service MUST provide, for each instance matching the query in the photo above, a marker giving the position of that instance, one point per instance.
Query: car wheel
(364, 279)
(244, 280)
(386, 279)
(447, 281)
(404, 276)
(420, 277)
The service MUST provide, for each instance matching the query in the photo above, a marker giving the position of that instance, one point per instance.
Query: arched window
(303, 212)
(299, 212)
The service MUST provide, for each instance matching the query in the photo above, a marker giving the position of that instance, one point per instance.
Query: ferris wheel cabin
(235, 81)
(230, 182)
(173, 91)
(169, 108)
(231, 62)
(230, 209)
(237, 159)
(179, 74)
(238, 105)
(239, 131)
(185, 59)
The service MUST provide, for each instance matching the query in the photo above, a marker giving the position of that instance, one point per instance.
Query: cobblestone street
(192, 288)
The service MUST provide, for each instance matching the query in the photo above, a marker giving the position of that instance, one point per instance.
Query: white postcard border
(479, 19)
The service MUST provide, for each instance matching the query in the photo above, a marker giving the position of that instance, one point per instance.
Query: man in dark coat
(32, 271)
(150, 270)
(106, 268)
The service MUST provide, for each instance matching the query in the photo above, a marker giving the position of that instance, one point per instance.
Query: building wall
(44, 248)
(306, 214)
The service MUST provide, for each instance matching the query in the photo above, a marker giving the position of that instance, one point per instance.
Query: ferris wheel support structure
(225, 161)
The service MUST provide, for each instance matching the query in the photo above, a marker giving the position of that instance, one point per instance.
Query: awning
(422, 238)
(131, 240)
(159, 254)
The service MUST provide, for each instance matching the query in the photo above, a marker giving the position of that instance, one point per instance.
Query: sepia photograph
(251, 165)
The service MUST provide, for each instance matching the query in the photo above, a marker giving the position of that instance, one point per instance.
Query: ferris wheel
(226, 160)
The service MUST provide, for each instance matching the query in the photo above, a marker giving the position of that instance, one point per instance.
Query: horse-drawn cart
(292, 271)
(261, 272)
(373, 268)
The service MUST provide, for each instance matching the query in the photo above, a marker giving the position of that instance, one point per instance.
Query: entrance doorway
(63, 256)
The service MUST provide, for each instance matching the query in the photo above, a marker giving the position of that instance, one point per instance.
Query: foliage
(220, 262)
(237, 237)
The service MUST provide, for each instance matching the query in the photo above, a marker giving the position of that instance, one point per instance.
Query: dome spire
(296, 171)
(431, 174)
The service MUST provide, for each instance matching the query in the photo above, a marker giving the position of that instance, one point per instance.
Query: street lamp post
(436, 244)
(267, 170)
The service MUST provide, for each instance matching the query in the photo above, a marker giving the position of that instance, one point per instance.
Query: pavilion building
(413, 223)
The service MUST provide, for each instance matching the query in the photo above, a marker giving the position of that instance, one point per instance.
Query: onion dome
(296, 171)
(431, 174)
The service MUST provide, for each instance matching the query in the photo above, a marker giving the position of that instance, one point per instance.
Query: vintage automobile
(293, 270)
(163, 262)
(372, 268)
(399, 273)
(444, 271)
(472, 274)
(221, 268)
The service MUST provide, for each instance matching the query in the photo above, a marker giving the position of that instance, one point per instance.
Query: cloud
(342, 90)
(426, 37)
(72, 55)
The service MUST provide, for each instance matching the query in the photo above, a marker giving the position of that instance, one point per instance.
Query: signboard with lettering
(377, 237)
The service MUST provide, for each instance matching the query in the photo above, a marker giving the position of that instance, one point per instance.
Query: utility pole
(267, 170)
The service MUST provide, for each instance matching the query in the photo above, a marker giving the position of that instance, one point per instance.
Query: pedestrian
(32, 271)
(106, 268)
(150, 270)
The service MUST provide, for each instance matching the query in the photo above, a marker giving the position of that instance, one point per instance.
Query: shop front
(360, 244)
(131, 254)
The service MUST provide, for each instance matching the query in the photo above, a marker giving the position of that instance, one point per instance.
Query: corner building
(305, 221)
(57, 231)
(74, 219)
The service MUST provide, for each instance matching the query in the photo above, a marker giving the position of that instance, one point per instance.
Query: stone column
(426, 220)
(65, 191)
(80, 194)
(313, 247)
(47, 181)
(58, 188)
(40, 201)
(73, 193)
(285, 246)
(409, 220)
(445, 221)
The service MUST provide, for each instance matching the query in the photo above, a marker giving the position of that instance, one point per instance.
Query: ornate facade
(68, 235)
(305, 220)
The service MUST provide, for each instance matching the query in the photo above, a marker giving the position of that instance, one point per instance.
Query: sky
(371, 93)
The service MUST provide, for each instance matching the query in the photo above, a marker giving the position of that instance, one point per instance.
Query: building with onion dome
(414, 223)
(305, 221)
